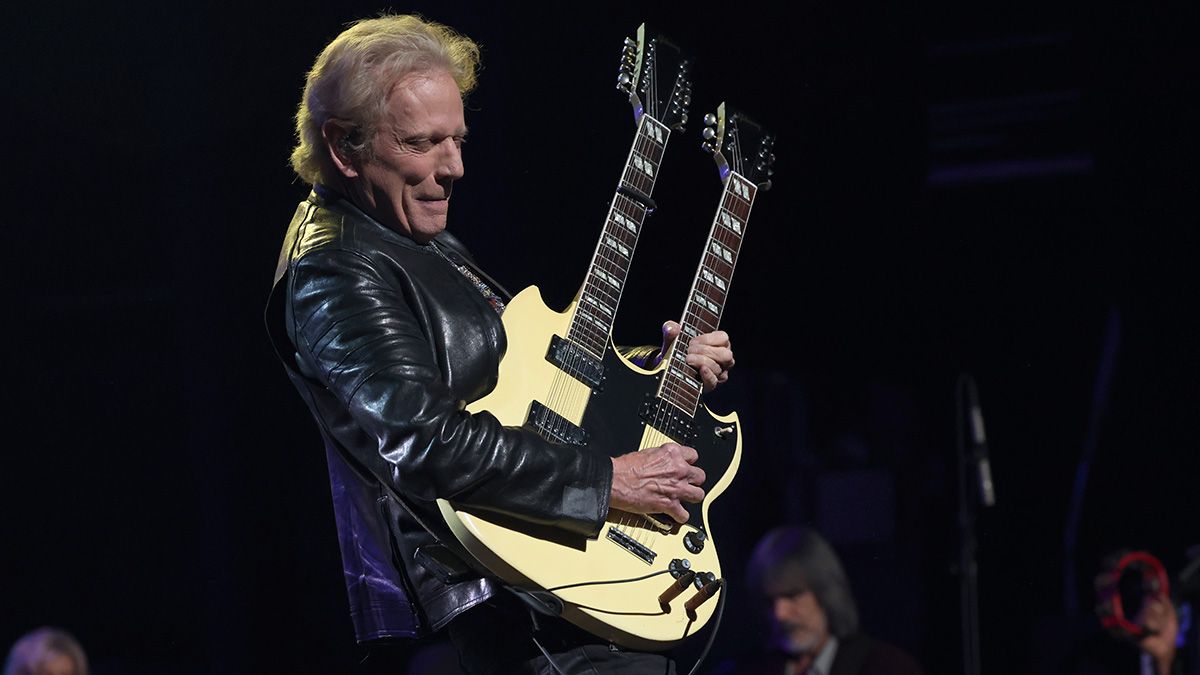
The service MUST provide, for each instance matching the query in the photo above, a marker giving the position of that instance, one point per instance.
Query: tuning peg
(709, 133)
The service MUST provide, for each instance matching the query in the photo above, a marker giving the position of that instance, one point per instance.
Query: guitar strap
(466, 264)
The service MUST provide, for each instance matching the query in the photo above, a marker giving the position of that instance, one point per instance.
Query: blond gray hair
(355, 73)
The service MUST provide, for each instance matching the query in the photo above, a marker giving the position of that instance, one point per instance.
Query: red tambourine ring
(1109, 607)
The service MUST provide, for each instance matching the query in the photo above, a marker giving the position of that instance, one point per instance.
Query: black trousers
(503, 637)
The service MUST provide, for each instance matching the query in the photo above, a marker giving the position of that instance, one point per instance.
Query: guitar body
(609, 585)
(644, 581)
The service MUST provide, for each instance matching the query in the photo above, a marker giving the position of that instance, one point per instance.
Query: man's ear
(337, 143)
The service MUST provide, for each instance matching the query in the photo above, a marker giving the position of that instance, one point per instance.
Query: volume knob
(694, 541)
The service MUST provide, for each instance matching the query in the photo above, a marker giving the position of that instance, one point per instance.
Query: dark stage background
(1007, 190)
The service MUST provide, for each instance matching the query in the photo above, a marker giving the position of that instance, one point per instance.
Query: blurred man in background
(813, 614)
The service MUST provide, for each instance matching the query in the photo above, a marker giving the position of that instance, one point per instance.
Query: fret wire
(679, 371)
(594, 298)
(648, 147)
(703, 314)
(602, 283)
(636, 180)
(676, 385)
(724, 273)
(612, 250)
(646, 159)
(606, 297)
(602, 291)
(717, 253)
(671, 392)
(586, 305)
(698, 322)
(681, 408)
(615, 272)
(730, 240)
(739, 200)
(686, 384)
(737, 206)
(713, 273)
(718, 301)
(636, 211)
(620, 232)
(677, 396)
(585, 334)
(613, 261)
(751, 189)
(718, 266)
(723, 224)
(712, 291)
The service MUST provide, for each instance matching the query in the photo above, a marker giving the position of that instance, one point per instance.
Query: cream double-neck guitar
(562, 378)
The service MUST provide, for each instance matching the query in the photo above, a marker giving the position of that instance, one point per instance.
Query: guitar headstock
(739, 144)
(656, 76)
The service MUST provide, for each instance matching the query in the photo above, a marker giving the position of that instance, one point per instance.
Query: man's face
(58, 664)
(800, 620)
(417, 157)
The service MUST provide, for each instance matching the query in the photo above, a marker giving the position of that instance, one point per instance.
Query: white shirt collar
(824, 661)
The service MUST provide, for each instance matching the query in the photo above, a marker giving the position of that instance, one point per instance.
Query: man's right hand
(657, 480)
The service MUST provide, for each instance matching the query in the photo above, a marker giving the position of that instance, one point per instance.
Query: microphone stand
(974, 489)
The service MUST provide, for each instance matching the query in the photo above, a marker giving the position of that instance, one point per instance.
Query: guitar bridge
(630, 544)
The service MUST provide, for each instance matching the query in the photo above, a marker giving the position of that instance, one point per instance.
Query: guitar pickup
(554, 427)
(669, 420)
(574, 361)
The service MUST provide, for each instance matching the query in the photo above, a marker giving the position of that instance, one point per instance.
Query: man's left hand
(711, 354)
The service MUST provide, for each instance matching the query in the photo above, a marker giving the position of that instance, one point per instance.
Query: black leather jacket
(387, 342)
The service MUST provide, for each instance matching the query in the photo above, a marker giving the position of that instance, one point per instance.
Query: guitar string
(561, 387)
(562, 391)
(609, 581)
(631, 524)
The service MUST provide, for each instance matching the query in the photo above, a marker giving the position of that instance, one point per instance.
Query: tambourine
(1144, 578)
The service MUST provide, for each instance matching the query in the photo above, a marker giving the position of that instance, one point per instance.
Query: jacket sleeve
(359, 337)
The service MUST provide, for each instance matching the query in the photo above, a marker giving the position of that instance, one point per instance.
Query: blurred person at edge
(813, 615)
(46, 651)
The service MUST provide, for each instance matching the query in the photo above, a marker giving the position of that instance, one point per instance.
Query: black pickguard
(614, 425)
